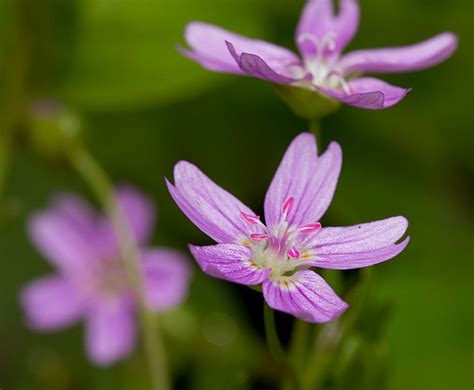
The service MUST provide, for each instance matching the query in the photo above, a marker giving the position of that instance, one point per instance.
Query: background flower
(91, 281)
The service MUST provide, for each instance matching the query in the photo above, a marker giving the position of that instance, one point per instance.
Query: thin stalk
(315, 128)
(334, 334)
(101, 185)
(299, 341)
(276, 349)
(5, 145)
(298, 348)
(15, 91)
(322, 357)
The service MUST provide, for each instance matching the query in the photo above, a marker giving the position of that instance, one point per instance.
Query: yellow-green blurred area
(143, 107)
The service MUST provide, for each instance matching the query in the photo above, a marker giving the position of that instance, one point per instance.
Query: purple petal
(212, 209)
(305, 295)
(255, 66)
(208, 44)
(401, 59)
(76, 211)
(309, 179)
(357, 246)
(140, 214)
(211, 63)
(110, 331)
(65, 234)
(319, 21)
(166, 278)
(230, 262)
(51, 303)
(369, 93)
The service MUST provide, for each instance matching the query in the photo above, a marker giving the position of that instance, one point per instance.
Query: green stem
(15, 91)
(273, 341)
(101, 185)
(276, 349)
(322, 357)
(299, 341)
(298, 347)
(334, 334)
(4, 161)
(315, 128)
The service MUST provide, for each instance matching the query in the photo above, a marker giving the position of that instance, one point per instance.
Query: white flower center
(281, 249)
(107, 279)
(320, 65)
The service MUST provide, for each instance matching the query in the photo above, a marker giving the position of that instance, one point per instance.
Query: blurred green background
(144, 107)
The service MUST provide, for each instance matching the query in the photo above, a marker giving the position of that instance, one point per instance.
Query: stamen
(339, 80)
(310, 228)
(287, 206)
(345, 85)
(259, 236)
(294, 253)
(251, 219)
(311, 38)
(329, 41)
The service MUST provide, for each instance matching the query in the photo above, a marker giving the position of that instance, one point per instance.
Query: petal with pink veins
(369, 93)
(309, 179)
(208, 47)
(232, 262)
(214, 210)
(306, 295)
(356, 246)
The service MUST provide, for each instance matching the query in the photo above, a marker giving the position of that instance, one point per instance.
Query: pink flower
(321, 36)
(91, 282)
(280, 253)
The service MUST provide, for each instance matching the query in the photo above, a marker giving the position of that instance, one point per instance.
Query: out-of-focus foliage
(144, 107)
(123, 53)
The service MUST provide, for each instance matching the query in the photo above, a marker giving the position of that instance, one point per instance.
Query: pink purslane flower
(321, 37)
(280, 253)
(91, 282)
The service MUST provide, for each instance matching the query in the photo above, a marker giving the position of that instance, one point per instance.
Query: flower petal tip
(389, 100)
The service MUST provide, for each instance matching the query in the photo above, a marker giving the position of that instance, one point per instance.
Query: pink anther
(294, 253)
(252, 219)
(310, 228)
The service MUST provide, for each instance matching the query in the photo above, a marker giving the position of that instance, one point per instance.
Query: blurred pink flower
(91, 282)
(321, 37)
(280, 253)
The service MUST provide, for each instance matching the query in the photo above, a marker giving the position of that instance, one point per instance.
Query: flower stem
(315, 128)
(299, 341)
(101, 185)
(16, 89)
(276, 349)
(333, 335)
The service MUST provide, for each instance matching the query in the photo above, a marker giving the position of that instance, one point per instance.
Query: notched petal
(306, 295)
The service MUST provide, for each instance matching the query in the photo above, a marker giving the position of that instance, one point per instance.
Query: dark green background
(144, 107)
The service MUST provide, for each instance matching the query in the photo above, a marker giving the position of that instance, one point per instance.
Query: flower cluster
(279, 252)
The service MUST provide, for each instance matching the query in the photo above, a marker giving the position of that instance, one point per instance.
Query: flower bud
(53, 131)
